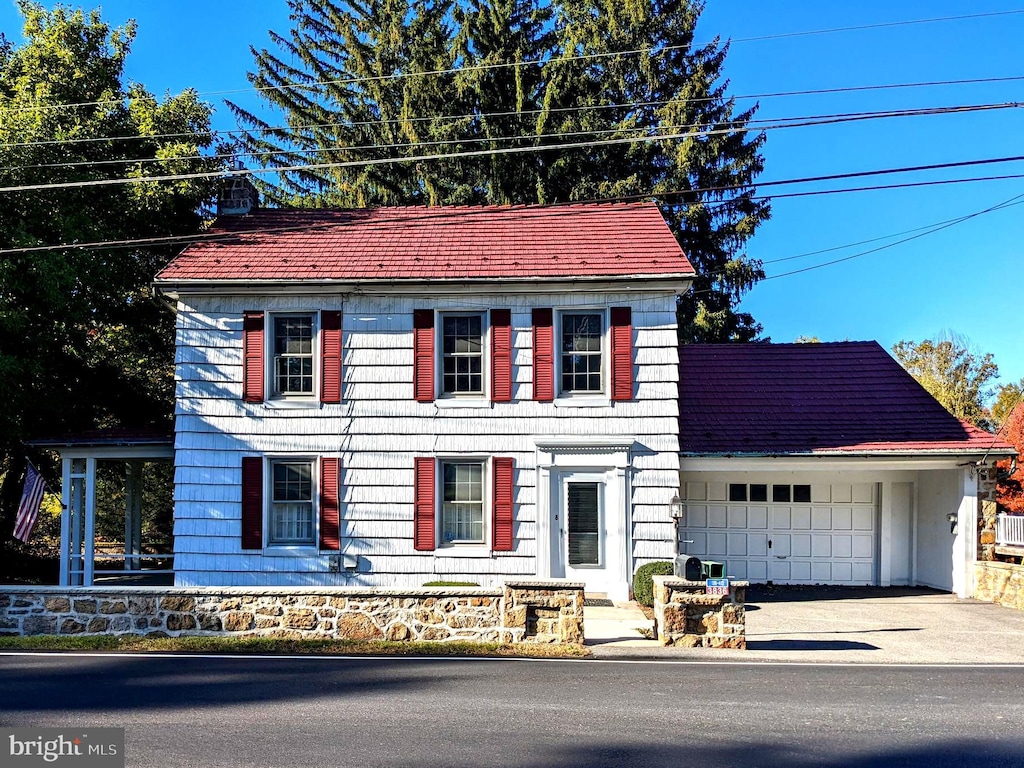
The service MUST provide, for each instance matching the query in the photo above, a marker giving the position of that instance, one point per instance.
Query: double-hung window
(581, 353)
(291, 513)
(293, 359)
(462, 354)
(462, 505)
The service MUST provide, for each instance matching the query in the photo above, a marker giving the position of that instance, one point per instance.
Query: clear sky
(964, 279)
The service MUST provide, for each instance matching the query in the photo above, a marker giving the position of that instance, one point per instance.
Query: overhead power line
(446, 156)
(700, 130)
(547, 61)
(468, 116)
(661, 195)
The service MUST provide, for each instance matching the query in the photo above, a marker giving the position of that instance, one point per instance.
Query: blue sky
(961, 279)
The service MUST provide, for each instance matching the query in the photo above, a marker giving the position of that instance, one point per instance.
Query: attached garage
(825, 464)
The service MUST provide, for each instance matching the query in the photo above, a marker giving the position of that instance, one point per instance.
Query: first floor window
(291, 504)
(293, 355)
(581, 353)
(462, 509)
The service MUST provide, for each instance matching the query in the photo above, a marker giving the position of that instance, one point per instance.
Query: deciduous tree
(956, 376)
(82, 343)
(1010, 488)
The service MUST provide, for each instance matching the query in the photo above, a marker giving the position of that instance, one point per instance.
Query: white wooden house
(395, 396)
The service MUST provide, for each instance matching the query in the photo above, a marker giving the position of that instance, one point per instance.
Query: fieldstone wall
(1002, 583)
(545, 615)
(428, 613)
(685, 616)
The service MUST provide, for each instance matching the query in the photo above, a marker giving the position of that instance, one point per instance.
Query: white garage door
(786, 534)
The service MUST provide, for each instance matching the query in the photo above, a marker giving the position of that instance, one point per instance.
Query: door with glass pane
(583, 529)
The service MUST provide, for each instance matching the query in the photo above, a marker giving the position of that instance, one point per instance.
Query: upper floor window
(582, 353)
(462, 354)
(291, 518)
(293, 354)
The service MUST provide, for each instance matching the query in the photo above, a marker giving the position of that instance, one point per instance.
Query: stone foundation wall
(685, 616)
(428, 613)
(1001, 583)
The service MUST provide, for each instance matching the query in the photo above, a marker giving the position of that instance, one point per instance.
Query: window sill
(583, 401)
(282, 550)
(458, 402)
(293, 403)
(457, 551)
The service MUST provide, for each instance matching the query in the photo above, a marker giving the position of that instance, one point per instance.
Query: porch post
(90, 521)
(65, 522)
(965, 544)
(133, 515)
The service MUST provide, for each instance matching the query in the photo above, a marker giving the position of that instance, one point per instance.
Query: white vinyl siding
(379, 430)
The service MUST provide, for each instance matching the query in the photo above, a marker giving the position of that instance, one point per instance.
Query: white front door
(587, 531)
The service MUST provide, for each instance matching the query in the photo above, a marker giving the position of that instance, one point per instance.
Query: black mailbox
(688, 567)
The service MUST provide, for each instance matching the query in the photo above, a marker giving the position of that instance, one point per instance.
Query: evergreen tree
(592, 71)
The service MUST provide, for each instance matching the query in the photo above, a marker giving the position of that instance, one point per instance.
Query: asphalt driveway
(859, 624)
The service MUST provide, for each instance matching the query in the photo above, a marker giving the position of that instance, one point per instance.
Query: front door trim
(610, 456)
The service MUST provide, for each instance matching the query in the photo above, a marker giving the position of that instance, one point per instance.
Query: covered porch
(119, 536)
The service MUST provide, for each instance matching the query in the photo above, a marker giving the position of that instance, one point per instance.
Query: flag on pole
(31, 499)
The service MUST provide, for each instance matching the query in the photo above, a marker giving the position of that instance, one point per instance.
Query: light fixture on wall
(675, 507)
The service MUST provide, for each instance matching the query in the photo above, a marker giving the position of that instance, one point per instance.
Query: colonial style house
(398, 396)
(395, 396)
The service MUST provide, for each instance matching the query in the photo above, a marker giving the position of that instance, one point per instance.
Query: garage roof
(832, 398)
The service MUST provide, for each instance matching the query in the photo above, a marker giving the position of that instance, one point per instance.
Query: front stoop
(619, 625)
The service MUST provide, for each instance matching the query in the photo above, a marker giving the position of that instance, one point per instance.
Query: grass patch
(327, 647)
(450, 584)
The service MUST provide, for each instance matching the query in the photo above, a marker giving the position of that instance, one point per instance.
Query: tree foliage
(1010, 487)
(82, 344)
(956, 376)
(355, 85)
(1007, 396)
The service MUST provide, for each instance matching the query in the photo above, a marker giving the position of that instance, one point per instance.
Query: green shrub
(643, 585)
(450, 584)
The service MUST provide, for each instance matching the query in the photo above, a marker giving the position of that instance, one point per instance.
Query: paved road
(199, 711)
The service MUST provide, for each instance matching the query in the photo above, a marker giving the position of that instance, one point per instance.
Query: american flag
(28, 509)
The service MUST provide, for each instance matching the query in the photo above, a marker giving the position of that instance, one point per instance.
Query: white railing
(1010, 530)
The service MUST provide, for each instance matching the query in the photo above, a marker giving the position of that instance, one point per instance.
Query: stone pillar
(687, 617)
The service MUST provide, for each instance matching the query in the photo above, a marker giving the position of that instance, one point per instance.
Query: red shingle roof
(580, 240)
(843, 397)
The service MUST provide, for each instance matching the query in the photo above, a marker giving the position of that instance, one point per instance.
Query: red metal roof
(842, 397)
(444, 243)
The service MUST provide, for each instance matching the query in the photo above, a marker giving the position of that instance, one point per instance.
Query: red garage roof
(843, 397)
(454, 243)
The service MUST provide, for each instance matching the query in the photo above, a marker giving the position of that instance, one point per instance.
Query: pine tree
(593, 71)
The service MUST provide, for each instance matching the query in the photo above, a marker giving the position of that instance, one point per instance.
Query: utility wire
(729, 127)
(542, 61)
(459, 155)
(581, 108)
(559, 110)
(216, 236)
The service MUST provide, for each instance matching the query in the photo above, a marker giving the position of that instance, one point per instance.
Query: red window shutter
(252, 357)
(543, 355)
(622, 353)
(330, 357)
(252, 502)
(501, 355)
(423, 537)
(423, 355)
(329, 520)
(504, 504)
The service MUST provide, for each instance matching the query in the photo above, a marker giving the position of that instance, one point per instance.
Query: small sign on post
(716, 587)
